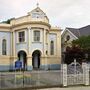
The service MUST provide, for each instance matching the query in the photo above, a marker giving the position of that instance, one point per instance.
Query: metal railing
(73, 79)
(39, 79)
(30, 79)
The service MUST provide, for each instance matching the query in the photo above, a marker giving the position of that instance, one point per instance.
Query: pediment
(38, 14)
(38, 11)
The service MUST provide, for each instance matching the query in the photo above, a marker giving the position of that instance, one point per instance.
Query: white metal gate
(74, 74)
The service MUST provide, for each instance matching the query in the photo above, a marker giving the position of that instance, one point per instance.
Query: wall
(5, 35)
(5, 59)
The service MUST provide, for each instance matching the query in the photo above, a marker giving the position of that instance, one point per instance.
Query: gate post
(85, 73)
(64, 73)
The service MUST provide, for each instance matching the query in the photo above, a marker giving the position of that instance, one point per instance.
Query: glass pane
(36, 35)
(52, 47)
(21, 36)
(4, 47)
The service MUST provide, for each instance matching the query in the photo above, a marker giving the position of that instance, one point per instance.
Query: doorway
(22, 56)
(36, 59)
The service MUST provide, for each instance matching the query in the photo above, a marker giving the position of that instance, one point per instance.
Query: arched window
(4, 47)
(52, 47)
(67, 38)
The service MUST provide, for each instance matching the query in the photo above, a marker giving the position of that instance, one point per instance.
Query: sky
(61, 13)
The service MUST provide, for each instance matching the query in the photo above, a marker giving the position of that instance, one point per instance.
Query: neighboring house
(32, 40)
(66, 38)
(70, 34)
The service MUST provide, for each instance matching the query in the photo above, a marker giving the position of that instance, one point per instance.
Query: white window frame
(52, 46)
(23, 36)
(36, 36)
(4, 47)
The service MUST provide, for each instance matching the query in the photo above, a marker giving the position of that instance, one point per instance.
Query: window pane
(67, 38)
(21, 36)
(4, 47)
(36, 35)
(52, 48)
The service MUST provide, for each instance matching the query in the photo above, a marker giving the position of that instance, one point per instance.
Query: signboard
(18, 64)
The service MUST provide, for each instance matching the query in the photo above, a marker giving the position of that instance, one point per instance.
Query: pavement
(69, 88)
(54, 88)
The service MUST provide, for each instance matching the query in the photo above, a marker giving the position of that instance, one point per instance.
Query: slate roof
(84, 31)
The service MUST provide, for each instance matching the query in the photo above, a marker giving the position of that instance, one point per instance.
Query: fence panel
(30, 79)
(75, 79)
(75, 76)
(11, 80)
(42, 78)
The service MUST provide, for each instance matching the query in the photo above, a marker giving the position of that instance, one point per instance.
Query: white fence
(30, 79)
(75, 74)
(78, 75)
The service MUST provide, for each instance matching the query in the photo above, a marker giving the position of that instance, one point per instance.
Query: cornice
(5, 27)
(55, 30)
(32, 22)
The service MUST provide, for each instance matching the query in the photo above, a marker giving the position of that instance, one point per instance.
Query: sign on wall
(18, 64)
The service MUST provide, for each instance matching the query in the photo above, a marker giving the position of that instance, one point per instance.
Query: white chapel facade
(32, 40)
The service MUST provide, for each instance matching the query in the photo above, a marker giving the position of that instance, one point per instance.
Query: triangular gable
(38, 10)
(67, 30)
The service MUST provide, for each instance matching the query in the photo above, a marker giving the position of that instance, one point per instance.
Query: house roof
(74, 31)
(84, 31)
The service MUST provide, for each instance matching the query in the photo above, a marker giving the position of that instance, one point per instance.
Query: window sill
(52, 55)
(21, 42)
(36, 42)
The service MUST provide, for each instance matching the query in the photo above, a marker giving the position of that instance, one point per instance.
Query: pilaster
(44, 43)
(64, 74)
(85, 73)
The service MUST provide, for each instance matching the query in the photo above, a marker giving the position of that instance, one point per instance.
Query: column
(44, 49)
(11, 51)
(14, 47)
(64, 74)
(85, 73)
(29, 57)
(44, 42)
(29, 39)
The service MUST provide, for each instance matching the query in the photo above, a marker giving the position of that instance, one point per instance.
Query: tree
(75, 52)
(7, 21)
(84, 43)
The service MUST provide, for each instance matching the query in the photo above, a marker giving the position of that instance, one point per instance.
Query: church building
(32, 40)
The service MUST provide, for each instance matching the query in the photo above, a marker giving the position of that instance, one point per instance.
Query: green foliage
(79, 49)
(83, 42)
(7, 21)
(74, 52)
